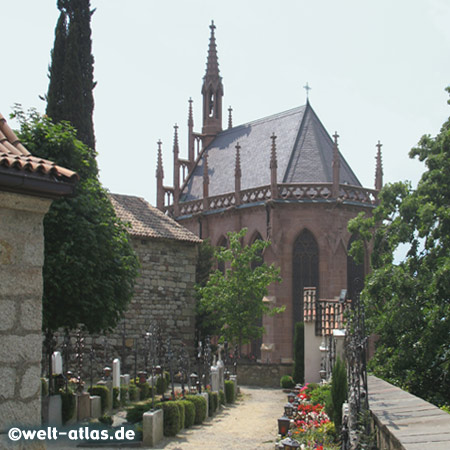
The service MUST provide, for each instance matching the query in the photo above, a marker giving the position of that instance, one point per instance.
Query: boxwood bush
(229, 391)
(103, 392)
(68, 404)
(200, 407)
(135, 412)
(287, 382)
(172, 419)
(213, 402)
(221, 397)
(189, 413)
(133, 392)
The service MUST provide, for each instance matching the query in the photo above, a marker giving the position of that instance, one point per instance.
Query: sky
(377, 69)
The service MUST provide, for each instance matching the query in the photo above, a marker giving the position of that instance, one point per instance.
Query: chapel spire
(212, 91)
(379, 169)
(159, 179)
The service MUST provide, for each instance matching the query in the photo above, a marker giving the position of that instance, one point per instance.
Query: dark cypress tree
(55, 95)
(70, 95)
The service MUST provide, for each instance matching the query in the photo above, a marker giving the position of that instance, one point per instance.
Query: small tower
(336, 168)
(237, 176)
(230, 117)
(212, 91)
(176, 170)
(191, 139)
(159, 180)
(273, 168)
(379, 169)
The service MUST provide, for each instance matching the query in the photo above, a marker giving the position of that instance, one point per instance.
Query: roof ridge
(267, 118)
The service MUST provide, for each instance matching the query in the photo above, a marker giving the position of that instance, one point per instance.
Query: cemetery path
(250, 424)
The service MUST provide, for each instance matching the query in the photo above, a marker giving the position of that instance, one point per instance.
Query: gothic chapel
(284, 179)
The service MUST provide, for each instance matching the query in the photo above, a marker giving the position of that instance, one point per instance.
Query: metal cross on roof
(307, 89)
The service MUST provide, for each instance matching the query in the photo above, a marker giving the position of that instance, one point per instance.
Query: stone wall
(263, 375)
(21, 261)
(164, 292)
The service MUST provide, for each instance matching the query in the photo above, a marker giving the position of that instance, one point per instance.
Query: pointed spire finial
(273, 168)
(230, 117)
(273, 154)
(175, 139)
(190, 114)
(336, 165)
(237, 170)
(159, 161)
(336, 136)
(212, 63)
(379, 168)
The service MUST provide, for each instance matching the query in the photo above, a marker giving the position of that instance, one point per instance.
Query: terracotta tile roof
(148, 221)
(13, 155)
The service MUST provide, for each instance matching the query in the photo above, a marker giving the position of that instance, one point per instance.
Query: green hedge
(172, 419)
(116, 401)
(182, 413)
(123, 395)
(221, 397)
(68, 404)
(133, 392)
(162, 382)
(213, 402)
(200, 407)
(135, 412)
(229, 391)
(103, 392)
(189, 413)
(286, 382)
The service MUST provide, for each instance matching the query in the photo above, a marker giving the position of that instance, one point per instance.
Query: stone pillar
(21, 261)
(116, 375)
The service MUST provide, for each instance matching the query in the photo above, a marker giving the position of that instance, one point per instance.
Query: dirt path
(251, 424)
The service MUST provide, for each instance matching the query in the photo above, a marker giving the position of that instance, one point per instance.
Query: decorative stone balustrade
(291, 192)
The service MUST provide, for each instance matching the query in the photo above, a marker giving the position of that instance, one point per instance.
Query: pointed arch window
(211, 104)
(305, 270)
(355, 273)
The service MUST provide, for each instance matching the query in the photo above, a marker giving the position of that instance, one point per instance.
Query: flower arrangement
(311, 427)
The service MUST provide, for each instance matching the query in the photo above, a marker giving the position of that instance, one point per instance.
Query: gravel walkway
(251, 424)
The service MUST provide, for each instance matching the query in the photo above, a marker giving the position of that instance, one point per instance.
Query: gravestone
(116, 375)
(215, 387)
(57, 363)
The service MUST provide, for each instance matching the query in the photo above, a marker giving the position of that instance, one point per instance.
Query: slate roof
(147, 221)
(304, 155)
(14, 156)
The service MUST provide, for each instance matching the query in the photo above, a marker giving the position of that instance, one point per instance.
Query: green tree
(235, 298)
(89, 267)
(70, 92)
(204, 321)
(338, 393)
(408, 304)
(299, 353)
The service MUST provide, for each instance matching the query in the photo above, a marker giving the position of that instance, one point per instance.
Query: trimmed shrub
(123, 395)
(171, 418)
(200, 407)
(299, 353)
(213, 402)
(221, 397)
(161, 385)
(133, 392)
(116, 402)
(189, 413)
(103, 392)
(145, 391)
(135, 412)
(229, 391)
(286, 382)
(182, 413)
(68, 404)
(338, 391)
